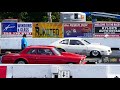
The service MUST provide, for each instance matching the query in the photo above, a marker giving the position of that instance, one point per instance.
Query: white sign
(63, 74)
(24, 28)
(72, 17)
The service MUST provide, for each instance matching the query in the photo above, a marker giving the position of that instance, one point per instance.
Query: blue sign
(9, 27)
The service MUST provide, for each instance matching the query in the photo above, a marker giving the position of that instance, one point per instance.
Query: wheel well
(71, 62)
(21, 59)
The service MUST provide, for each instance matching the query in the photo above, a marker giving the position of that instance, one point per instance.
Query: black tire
(20, 61)
(95, 53)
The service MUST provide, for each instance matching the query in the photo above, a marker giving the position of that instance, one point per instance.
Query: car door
(63, 44)
(46, 56)
(76, 46)
(31, 56)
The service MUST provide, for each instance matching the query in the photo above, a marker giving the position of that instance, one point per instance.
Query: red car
(42, 55)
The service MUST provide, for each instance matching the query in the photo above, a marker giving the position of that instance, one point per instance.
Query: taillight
(82, 61)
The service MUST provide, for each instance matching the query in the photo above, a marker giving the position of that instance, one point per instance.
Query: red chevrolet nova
(42, 55)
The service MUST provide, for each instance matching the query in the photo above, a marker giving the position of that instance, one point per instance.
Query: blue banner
(9, 27)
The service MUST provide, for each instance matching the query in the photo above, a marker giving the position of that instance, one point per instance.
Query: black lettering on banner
(57, 31)
(54, 32)
(51, 32)
(23, 30)
(47, 32)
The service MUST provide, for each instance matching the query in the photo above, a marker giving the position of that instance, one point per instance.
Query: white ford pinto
(82, 46)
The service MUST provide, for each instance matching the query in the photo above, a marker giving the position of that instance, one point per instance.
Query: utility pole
(49, 17)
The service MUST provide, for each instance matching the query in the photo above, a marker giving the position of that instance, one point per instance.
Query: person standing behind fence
(24, 43)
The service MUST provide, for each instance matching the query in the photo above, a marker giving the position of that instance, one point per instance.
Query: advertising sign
(16, 29)
(47, 30)
(78, 30)
(25, 28)
(9, 27)
(111, 29)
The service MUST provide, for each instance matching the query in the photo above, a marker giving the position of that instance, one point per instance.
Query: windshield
(56, 51)
(85, 42)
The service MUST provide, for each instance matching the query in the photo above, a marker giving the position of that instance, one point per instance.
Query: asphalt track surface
(115, 53)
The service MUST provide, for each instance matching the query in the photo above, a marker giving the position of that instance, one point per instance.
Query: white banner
(24, 28)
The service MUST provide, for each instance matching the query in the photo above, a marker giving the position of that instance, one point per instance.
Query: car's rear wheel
(21, 62)
(95, 53)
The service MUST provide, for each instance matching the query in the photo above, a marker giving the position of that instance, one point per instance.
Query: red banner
(3, 71)
(78, 30)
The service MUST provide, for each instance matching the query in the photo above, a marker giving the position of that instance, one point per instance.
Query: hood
(96, 43)
(72, 54)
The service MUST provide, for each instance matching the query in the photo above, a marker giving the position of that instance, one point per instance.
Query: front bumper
(106, 52)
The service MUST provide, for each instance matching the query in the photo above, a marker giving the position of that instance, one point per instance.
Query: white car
(82, 46)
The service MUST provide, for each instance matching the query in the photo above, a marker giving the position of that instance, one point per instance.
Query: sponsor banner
(47, 30)
(16, 29)
(78, 30)
(109, 29)
(3, 71)
(24, 28)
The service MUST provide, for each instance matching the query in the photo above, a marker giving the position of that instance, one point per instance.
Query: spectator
(24, 43)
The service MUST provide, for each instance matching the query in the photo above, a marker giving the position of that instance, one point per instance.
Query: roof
(78, 38)
(40, 46)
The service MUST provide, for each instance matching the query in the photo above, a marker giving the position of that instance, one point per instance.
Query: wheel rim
(20, 62)
(95, 53)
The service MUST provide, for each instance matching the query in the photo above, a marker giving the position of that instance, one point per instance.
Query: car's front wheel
(95, 53)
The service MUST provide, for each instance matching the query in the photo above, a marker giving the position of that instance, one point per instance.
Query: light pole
(49, 17)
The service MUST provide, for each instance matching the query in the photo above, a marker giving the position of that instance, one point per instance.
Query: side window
(76, 42)
(64, 41)
(32, 51)
(43, 51)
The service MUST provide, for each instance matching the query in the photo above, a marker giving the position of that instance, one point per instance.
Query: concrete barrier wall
(15, 43)
(32, 71)
(85, 71)
(76, 71)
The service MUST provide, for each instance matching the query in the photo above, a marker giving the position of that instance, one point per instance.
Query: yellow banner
(47, 30)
